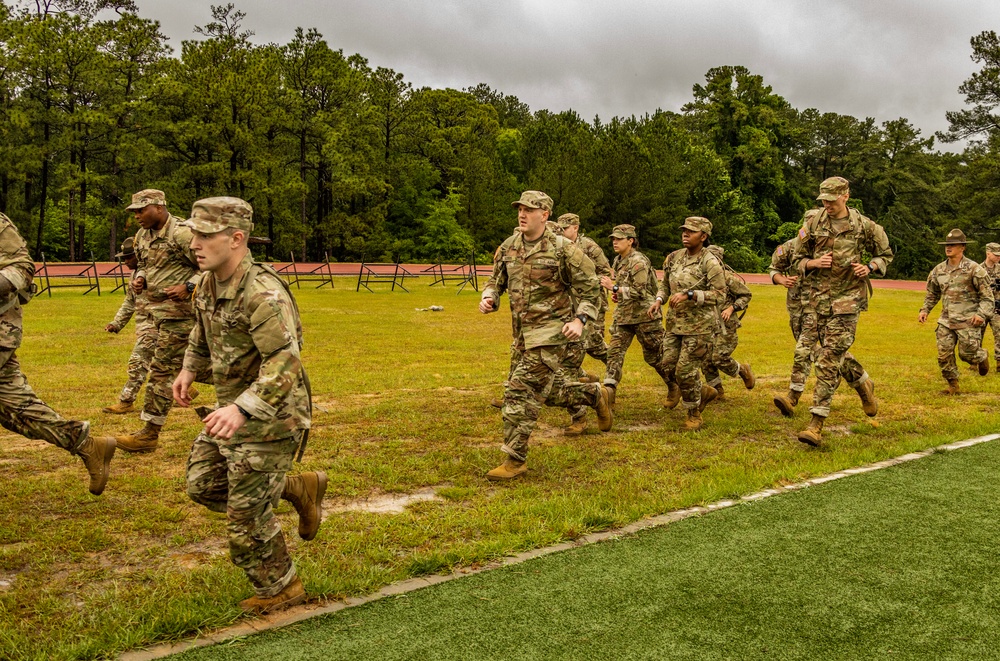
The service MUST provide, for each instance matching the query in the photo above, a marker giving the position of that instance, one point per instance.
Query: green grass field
(403, 406)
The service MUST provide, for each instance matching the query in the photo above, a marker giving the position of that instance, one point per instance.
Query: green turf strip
(900, 563)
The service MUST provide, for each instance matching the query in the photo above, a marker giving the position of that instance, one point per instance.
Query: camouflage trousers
(138, 362)
(835, 335)
(721, 358)
(993, 323)
(801, 367)
(970, 349)
(246, 481)
(168, 358)
(540, 378)
(596, 347)
(650, 335)
(683, 358)
(22, 412)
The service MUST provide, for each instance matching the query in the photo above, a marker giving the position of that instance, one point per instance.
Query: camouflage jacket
(837, 290)
(637, 284)
(249, 334)
(165, 260)
(549, 281)
(701, 274)
(738, 295)
(963, 290)
(781, 264)
(133, 304)
(601, 265)
(17, 267)
(994, 273)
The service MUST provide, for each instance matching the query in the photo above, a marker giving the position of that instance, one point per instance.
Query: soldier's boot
(749, 380)
(952, 388)
(587, 377)
(497, 403)
(119, 408)
(693, 420)
(605, 416)
(786, 403)
(144, 440)
(96, 454)
(813, 433)
(508, 470)
(866, 391)
(673, 396)
(708, 395)
(577, 426)
(720, 393)
(293, 595)
(984, 367)
(612, 393)
(305, 492)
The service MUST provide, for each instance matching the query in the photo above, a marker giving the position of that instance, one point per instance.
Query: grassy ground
(899, 564)
(403, 405)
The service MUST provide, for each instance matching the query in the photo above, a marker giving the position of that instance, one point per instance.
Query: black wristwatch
(243, 412)
(690, 294)
(614, 289)
(583, 318)
(189, 286)
(871, 267)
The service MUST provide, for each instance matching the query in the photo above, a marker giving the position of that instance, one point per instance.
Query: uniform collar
(232, 287)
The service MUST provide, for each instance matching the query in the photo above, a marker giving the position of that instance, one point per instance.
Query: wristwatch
(871, 267)
(189, 286)
(614, 289)
(690, 294)
(583, 318)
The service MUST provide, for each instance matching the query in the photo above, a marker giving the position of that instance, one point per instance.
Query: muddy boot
(293, 595)
(96, 454)
(577, 426)
(749, 380)
(952, 388)
(720, 393)
(305, 493)
(786, 403)
(708, 395)
(813, 433)
(508, 470)
(866, 391)
(693, 421)
(144, 440)
(119, 408)
(673, 396)
(984, 367)
(603, 409)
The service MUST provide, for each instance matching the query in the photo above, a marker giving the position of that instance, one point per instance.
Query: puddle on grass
(388, 503)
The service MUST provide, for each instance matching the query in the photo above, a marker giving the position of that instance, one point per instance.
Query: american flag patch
(780, 251)
(802, 233)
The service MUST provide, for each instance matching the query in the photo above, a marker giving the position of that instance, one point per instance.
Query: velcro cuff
(255, 406)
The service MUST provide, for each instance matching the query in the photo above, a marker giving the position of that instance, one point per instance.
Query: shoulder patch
(780, 251)
(802, 233)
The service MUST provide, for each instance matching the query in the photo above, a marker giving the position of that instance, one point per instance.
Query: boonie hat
(534, 199)
(698, 224)
(214, 214)
(993, 248)
(833, 188)
(144, 198)
(623, 232)
(128, 248)
(568, 220)
(955, 237)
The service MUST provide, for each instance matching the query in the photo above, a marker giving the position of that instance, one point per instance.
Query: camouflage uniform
(834, 298)
(535, 276)
(21, 411)
(994, 321)
(691, 325)
(737, 295)
(145, 340)
(964, 290)
(247, 332)
(595, 345)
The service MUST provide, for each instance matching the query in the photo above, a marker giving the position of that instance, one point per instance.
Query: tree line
(343, 159)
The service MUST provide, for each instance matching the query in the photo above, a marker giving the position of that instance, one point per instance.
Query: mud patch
(388, 503)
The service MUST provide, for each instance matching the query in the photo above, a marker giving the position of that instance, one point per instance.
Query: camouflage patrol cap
(956, 237)
(555, 227)
(534, 199)
(623, 232)
(717, 250)
(993, 248)
(128, 248)
(698, 224)
(144, 198)
(214, 214)
(833, 188)
(568, 220)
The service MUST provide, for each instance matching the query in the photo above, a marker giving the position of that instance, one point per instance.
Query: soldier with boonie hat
(992, 266)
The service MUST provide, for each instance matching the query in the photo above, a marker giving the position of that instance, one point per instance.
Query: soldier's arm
(20, 272)
(126, 310)
(584, 282)
(635, 282)
(933, 293)
(601, 264)
(663, 291)
(497, 284)
(982, 281)
(197, 357)
(140, 258)
(183, 236)
(780, 261)
(272, 330)
(716, 291)
(739, 290)
(879, 249)
(804, 250)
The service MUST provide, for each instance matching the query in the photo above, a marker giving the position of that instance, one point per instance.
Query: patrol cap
(128, 248)
(717, 250)
(993, 248)
(555, 227)
(833, 188)
(623, 232)
(568, 220)
(144, 198)
(534, 199)
(955, 237)
(214, 214)
(698, 224)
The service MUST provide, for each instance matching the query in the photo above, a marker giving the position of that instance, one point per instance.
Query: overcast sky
(867, 58)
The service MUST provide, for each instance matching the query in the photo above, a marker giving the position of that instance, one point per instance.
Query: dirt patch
(388, 503)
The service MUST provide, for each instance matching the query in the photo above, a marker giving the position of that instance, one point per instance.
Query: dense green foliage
(342, 159)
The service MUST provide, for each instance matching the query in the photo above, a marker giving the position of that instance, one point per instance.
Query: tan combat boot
(293, 595)
(144, 440)
(693, 421)
(119, 408)
(577, 426)
(305, 493)
(749, 380)
(497, 403)
(708, 395)
(786, 403)
(612, 393)
(952, 388)
(508, 470)
(866, 391)
(720, 393)
(605, 417)
(813, 433)
(96, 454)
(673, 396)
(984, 367)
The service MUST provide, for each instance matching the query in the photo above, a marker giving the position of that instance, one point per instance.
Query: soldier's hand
(678, 298)
(861, 270)
(180, 387)
(487, 305)
(824, 262)
(607, 282)
(572, 330)
(111, 328)
(727, 313)
(653, 309)
(922, 317)
(977, 320)
(138, 285)
(223, 423)
(177, 293)
(786, 281)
